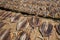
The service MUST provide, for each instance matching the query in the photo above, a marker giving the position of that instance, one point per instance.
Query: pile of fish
(45, 8)
(15, 26)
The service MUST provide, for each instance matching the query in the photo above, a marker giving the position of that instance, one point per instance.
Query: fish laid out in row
(23, 36)
(28, 24)
(45, 8)
(44, 26)
(8, 14)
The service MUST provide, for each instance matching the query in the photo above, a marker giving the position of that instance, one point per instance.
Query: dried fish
(49, 30)
(34, 22)
(5, 34)
(6, 15)
(1, 24)
(58, 29)
(21, 24)
(46, 30)
(42, 28)
(14, 18)
(24, 36)
(31, 23)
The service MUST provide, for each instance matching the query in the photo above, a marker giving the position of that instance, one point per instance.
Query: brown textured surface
(29, 28)
(46, 8)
